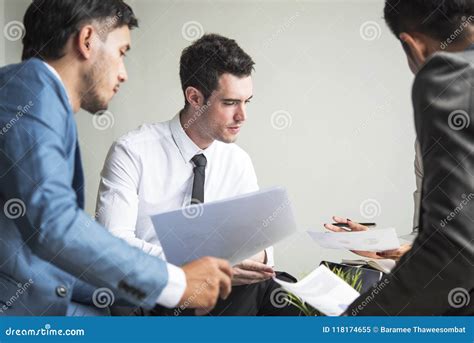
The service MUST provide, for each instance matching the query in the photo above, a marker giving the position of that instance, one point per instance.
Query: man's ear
(416, 48)
(85, 41)
(194, 97)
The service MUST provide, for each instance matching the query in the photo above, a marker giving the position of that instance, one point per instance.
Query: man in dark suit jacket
(436, 277)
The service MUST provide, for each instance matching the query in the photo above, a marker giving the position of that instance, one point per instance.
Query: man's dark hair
(50, 23)
(438, 19)
(203, 62)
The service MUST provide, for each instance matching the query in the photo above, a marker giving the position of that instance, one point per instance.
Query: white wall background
(346, 91)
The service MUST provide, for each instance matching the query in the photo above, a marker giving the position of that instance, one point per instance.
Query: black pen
(344, 226)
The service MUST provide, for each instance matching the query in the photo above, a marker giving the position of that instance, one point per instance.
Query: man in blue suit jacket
(54, 258)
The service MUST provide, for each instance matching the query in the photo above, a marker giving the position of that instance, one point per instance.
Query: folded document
(233, 229)
(370, 240)
(323, 290)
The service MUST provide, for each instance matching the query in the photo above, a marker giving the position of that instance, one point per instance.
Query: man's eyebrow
(236, 100)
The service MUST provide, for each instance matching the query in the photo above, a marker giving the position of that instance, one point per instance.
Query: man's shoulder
(443, 67)
(232, 150)
(30, 89)
(149, 133)
(31, 81)
(444, 76)
(26, 65)
(32, 72)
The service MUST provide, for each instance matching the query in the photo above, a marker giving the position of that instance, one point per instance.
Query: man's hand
(206, 280)
(394, 254)
(252, 270)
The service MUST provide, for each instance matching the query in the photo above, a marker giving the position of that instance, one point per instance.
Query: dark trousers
(260, 299)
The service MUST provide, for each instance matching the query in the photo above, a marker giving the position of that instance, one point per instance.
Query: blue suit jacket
(47, 242)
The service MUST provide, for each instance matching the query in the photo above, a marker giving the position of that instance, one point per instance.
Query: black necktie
(78, 178)
(200, 162)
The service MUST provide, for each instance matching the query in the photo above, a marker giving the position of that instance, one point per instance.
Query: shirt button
(61, 291)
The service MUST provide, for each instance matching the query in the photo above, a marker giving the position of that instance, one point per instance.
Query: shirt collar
(186, 146)
(56, 74)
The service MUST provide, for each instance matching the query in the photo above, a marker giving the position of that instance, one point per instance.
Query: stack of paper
(323, 290)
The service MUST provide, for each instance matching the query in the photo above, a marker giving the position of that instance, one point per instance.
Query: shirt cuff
(174, 289)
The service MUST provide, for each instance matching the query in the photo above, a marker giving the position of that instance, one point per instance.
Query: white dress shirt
(149, 170)
(419, 181)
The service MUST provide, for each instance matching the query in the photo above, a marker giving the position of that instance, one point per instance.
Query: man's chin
(96, 109)
(228, 139)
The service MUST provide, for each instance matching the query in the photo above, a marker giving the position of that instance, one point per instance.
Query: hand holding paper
(394, 254)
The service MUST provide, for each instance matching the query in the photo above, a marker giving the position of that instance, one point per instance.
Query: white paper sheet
(233, 229)
(370, 240)
(323, 290)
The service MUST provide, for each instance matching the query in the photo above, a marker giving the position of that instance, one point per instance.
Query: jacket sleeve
(34, 173)
(436, 277)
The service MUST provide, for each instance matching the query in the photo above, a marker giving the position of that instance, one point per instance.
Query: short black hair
(50, 23)
(204, 61)
(438, 19)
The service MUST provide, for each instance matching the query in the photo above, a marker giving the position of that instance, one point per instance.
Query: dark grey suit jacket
(437, 276)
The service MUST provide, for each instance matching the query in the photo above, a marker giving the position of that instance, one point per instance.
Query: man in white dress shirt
(191, 159)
